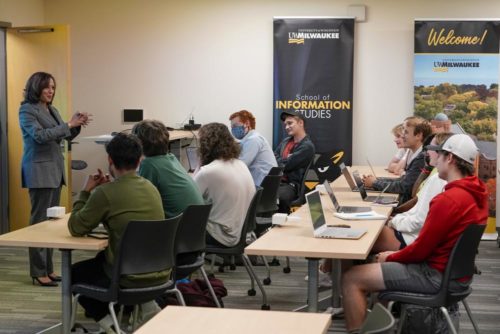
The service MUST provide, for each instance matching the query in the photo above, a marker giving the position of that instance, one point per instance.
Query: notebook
(321, 230)
(338, 207)
(379, 199)
(193, 158)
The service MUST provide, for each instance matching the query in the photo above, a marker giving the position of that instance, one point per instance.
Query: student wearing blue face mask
(256, 152)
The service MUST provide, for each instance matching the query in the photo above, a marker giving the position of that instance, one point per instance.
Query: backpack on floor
(196, 293)
(422, 319)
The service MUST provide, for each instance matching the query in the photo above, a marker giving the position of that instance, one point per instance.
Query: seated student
(128, 197)
(419, 267)
(225, 182)
(256, 152)
(176, 187)
(398, 161)
(402, 229)
(294, 153)
(416, 129)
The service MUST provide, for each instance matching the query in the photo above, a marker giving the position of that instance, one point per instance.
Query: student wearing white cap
(419, 267)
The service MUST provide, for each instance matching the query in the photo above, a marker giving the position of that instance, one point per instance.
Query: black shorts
(400, 238)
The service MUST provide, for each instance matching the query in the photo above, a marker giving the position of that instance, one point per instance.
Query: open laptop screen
(193, 159)
(315, 209)
(329, 190)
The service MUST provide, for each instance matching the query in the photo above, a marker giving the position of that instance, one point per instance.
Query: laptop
(343, 209)
(379, 199)
(193, 158)
(345, 171)
(321, 230)
(380, 178)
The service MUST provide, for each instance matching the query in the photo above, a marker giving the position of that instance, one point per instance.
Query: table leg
(65, 326)
(337, 282)
(66, 290)
(312, 285)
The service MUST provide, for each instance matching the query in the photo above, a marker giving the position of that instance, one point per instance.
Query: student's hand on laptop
(381, 257)
(368, 180)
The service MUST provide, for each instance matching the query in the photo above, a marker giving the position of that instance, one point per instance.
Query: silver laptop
(193, 158)
(350, 181)
(380, 178)
(321, 230)
(379, 199)
(343, 209)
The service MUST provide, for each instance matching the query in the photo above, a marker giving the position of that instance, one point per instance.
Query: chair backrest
(268, 200)
(146, 246)
(461, 261)
(276, 171)
(249, 223)
(379, 320)
(192, 228)
(301, 199)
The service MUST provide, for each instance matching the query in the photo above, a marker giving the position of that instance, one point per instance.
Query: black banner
(313, 71)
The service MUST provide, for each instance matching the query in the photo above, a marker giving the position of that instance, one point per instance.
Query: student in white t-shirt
(225, 182)
(398, 161)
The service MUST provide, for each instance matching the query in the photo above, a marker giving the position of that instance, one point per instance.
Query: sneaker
(324, 279)
(146, 312)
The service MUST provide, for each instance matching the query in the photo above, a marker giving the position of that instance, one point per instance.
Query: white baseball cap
(460, 145)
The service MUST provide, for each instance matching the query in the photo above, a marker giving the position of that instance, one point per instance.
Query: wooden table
(176, 319)
(173, 135)
(55, 234)
(296, 239)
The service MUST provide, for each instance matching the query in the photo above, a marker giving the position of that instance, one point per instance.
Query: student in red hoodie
(419, 267)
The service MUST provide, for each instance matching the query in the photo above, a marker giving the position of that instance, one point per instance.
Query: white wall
(22, 12)
(215, 57)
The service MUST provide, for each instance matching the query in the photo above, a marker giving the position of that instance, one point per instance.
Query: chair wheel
(251, 292)
(265, 307)
(221, 269)
(286, 270)
(267, 281)
(232, 267)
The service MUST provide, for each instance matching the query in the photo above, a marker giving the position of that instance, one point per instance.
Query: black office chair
(190, 241)
(276, 171)
(146, 247)
(379, 320)
(268, 205)
(239, 249)
(460, 264)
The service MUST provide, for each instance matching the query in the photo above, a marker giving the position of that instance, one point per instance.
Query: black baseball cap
(285, 113)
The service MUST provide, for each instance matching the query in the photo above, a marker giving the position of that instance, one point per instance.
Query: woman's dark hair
(34, 86)
(216, 142)
(153, 136)
(125, 150)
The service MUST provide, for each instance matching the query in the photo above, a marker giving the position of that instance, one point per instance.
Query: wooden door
(29, 50)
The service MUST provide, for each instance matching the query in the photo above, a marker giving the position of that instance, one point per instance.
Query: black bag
(422, 319)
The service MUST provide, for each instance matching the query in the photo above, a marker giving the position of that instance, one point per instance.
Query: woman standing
(43, 163)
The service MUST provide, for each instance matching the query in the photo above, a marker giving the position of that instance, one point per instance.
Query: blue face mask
(238, 131)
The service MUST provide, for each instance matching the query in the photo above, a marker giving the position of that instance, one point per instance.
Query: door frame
(4, 172)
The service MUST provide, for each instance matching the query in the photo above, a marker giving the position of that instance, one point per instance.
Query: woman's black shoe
(55, 278)
(36, 279)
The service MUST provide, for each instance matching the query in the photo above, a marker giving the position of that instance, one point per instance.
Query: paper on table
(360, 216)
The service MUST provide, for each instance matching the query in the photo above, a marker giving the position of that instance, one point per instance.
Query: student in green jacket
(114, 203)
(176, 187)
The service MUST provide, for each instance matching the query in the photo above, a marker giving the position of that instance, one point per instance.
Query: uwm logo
(300, 37)
(295, 41)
